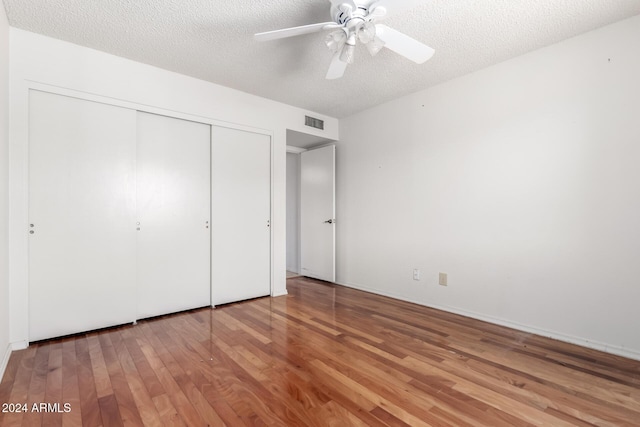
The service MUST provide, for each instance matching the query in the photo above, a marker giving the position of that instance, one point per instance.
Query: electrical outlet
(442, 279)
(416, 274)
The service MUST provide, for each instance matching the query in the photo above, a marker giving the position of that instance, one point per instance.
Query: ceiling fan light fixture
(367, 32)
(348, 53)
(375, 46)
(335, 40)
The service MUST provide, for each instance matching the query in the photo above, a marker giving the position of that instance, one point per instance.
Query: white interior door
(173, 202)
(241, 214)
(81, 215)
(317, 213)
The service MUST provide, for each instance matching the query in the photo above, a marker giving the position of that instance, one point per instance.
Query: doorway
(297, 145)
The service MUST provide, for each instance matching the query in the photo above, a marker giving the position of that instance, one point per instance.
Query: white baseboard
(19, 345)
(5, 360)
(280, 294)
(583, 342)
(14, 346)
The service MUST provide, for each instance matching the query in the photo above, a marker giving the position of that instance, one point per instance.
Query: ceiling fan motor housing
(345, 14)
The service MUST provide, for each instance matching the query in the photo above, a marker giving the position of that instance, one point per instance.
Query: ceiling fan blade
(337, 67)
(404, 45)
(295, 31)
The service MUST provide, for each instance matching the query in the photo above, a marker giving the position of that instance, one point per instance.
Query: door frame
(298, 152)
(19, 190)
(295, 151)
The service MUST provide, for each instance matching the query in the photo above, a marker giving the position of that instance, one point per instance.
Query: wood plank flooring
(323, 355)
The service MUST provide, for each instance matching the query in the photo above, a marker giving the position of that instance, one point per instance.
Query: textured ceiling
(213, 40)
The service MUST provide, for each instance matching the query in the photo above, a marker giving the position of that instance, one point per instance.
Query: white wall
(4, 190)
(293, 211)
(38, 61)
(521, 181)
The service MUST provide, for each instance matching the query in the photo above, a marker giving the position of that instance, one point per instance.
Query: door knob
(330, 221)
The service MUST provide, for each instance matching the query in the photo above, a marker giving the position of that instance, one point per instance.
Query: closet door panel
(241, 208)
(173, 215)
(81, 215)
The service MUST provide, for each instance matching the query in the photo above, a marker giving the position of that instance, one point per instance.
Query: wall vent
(313, 122)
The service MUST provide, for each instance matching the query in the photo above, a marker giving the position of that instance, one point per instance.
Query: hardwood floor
(323, 355)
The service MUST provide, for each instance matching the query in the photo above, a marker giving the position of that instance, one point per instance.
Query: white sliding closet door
(82, 256)
(241, 209)
(173, 215)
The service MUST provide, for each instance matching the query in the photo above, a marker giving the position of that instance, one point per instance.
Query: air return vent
(313, 122)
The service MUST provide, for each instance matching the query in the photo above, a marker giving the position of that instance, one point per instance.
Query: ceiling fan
(356, 20)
